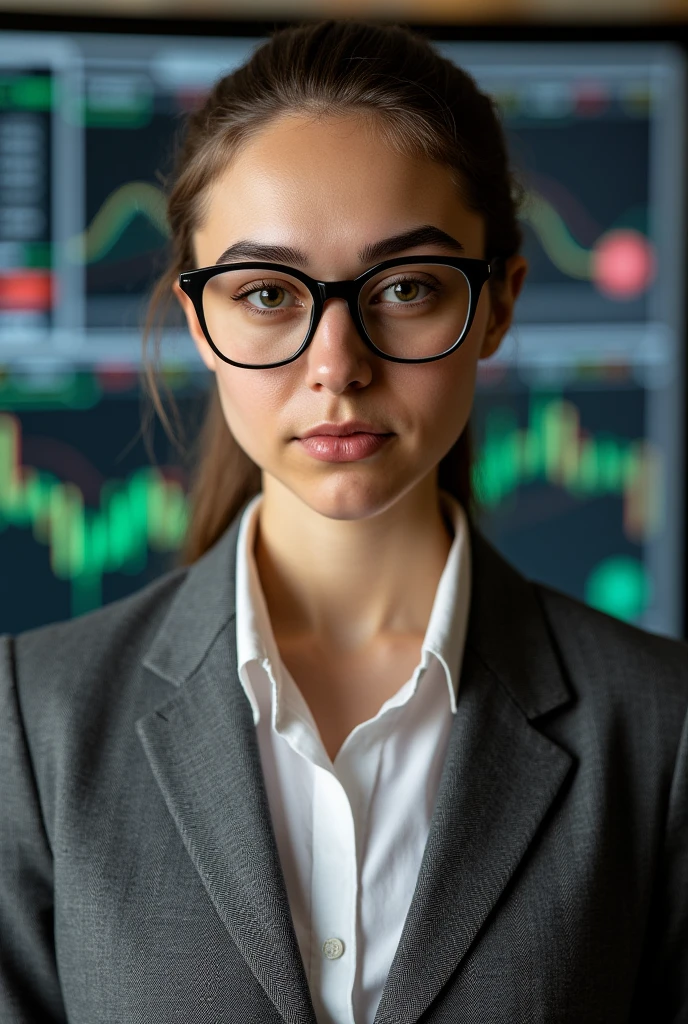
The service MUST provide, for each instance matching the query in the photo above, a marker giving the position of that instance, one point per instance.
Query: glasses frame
(476, 272)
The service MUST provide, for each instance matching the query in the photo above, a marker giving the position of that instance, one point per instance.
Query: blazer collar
(505, 626)
(499, 779)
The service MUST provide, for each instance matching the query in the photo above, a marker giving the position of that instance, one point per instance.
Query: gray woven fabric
(139, 875)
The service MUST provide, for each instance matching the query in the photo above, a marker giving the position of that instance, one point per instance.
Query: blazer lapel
(203, 751)
(500, 777)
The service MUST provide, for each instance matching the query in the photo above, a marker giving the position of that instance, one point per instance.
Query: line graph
(120, 208)
(561, 247)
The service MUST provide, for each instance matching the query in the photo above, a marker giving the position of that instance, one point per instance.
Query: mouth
(343, 430)
(351, 447)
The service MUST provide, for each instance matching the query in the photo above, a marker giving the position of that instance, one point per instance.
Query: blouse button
(333, 948)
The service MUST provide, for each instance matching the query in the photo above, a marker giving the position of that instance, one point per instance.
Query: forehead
(320, 183)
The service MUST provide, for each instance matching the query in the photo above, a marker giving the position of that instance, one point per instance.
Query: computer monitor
(577, 419)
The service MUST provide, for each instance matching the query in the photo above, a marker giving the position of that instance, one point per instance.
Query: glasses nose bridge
(337, 290)
(346, 290)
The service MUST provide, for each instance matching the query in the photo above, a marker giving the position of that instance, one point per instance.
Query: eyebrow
(374, 252)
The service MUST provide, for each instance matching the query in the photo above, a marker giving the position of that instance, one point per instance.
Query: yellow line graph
(555, 238)
(136, 198)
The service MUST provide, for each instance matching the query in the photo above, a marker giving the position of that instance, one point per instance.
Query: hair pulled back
(421, 103)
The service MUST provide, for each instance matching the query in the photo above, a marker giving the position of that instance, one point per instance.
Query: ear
(195, 329)
(503, 300)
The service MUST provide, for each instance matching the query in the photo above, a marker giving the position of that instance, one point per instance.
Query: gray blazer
(139, 875)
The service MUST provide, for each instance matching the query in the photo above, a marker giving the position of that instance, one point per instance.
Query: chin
(346, 498)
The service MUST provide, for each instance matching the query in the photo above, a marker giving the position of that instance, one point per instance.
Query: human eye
(265, 296)
(406, 290)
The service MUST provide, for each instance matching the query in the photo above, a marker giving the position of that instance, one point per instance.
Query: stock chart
(577, 418)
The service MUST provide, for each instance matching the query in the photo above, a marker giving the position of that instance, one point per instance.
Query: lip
(342, 429)
(343, 448)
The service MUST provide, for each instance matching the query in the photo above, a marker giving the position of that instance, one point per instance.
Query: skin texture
(349, 554)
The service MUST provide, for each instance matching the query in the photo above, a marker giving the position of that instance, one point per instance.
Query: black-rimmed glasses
(408, 310)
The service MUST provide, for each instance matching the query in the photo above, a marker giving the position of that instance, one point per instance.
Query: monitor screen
(577, 419)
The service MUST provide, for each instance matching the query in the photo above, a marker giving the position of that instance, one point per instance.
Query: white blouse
(351, 834)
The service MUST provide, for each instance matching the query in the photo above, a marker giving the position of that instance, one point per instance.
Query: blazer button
(333, 948)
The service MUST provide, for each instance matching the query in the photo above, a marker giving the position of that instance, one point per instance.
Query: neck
(345, 583)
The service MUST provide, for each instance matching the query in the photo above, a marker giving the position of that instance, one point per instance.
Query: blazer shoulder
(50, 662)
(615, 656)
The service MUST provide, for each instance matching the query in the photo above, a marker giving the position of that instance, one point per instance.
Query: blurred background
(579, 418)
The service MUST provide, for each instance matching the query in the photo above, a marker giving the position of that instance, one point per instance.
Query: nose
(337, 356)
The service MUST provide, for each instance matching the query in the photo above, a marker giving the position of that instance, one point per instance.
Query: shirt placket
(333, 903)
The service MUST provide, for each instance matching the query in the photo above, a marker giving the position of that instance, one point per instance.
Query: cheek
(250, 402)
(448, 396)
(443, 391)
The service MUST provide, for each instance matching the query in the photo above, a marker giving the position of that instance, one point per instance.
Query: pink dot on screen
(623, 263)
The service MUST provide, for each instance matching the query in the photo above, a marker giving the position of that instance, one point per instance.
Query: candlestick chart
(552, 447)
(145, 511)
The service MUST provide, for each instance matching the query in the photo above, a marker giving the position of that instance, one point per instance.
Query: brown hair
(421, 103)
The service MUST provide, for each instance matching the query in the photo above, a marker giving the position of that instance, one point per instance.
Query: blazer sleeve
(29, 983)
(662, 989)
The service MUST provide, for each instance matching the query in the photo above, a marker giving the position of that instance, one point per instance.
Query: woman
(346, 764)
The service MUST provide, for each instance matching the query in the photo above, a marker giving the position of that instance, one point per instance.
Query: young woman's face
(329, 188)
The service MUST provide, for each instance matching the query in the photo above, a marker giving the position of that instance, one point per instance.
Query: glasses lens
(257, 317)
(416, 311)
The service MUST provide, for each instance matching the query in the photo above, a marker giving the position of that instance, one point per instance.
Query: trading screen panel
(577, 418)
